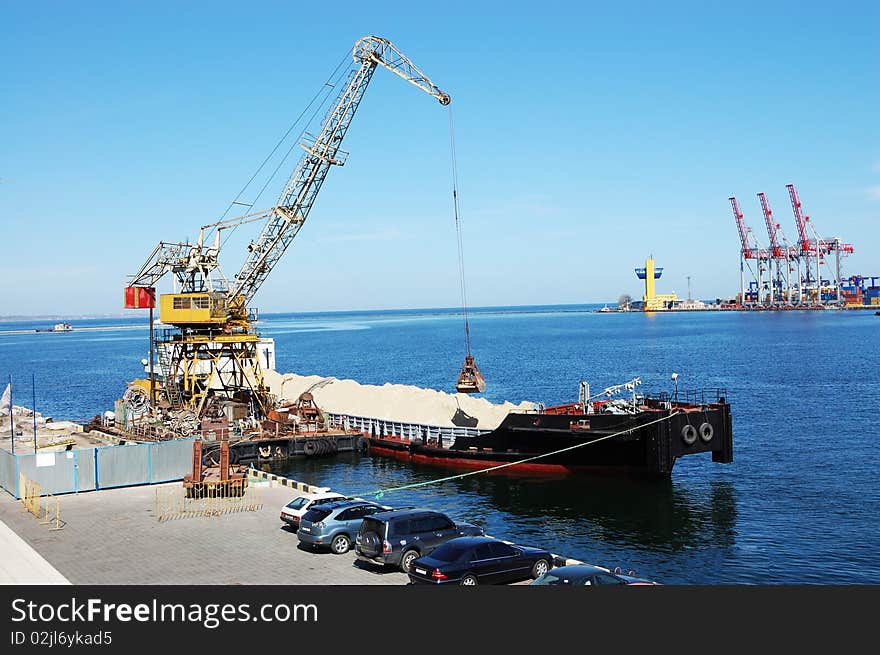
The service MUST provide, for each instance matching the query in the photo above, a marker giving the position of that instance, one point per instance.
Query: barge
(642, 435)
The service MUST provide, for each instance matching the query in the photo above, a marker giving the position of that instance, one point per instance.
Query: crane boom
(743, 230)
(321, 152)
(800, 219)
(775, 250)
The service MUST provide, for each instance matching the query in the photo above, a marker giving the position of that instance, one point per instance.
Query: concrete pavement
(113, 536)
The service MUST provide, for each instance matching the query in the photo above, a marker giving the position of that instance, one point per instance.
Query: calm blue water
(798, 505)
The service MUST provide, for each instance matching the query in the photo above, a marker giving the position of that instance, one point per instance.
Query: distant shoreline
(486, 308)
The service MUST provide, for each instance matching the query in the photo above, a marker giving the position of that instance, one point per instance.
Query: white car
(293, 511)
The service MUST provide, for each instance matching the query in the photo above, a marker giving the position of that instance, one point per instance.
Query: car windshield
(550, 578)
(452, 552)
(316, 514)
(298, 503)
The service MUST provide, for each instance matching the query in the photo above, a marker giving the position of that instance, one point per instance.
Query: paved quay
(22, 565)
(113, 536)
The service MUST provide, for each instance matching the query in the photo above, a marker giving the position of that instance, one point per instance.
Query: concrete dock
(113, 536)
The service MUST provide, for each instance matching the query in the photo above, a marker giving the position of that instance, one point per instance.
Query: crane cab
(209, 308)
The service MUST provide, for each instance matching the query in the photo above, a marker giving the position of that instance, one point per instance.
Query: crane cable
(461, 278)
(326, 88)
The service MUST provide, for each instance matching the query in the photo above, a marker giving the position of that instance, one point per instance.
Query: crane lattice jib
(322, 152)
(771, 227)
(743, 231)
(167, 256)
(803, 237)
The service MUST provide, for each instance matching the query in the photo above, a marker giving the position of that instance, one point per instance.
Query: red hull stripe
(475, 464)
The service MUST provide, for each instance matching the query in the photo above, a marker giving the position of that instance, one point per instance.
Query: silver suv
(335, 523)
(398, 537)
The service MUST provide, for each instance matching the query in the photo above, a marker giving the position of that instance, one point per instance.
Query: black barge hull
(647, 443)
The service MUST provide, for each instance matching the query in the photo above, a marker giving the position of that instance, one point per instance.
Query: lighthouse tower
(653, 301)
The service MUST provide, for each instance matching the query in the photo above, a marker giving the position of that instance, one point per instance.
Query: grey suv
(398, 537)
(335, 523)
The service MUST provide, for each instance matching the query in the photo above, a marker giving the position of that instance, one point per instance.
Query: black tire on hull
(689, 434)
(706, 432)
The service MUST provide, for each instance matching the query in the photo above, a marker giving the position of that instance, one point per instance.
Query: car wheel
(340, 544)
(540, 568)
(407, 559)
(469, 580)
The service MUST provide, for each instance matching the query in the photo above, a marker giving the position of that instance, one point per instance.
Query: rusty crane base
(214, 481)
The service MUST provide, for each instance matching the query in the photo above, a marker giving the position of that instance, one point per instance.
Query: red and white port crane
(748, 251)
(816, 247)
(780, 253)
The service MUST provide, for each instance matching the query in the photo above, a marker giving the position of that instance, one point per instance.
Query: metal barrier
(30, 495)
(206, 499)
(87, 469)
(381, 427)
(40, 506)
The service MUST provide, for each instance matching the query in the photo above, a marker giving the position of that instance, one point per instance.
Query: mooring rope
(381, 492)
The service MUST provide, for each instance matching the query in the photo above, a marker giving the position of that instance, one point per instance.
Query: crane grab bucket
(470, 380)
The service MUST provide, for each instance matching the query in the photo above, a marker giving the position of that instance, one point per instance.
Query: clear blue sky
(588, 137)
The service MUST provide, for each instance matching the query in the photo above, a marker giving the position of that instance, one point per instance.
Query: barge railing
(691, 397)
(405, 430)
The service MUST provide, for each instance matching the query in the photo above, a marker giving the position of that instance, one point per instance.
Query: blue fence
(104, 467)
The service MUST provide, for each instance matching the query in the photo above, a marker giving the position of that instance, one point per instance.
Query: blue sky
(588, 136)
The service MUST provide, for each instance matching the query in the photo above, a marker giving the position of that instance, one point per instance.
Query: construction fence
(207, 499)
(46, 508)
(102, 467)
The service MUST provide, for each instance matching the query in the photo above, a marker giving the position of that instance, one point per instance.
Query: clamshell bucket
(470, 380)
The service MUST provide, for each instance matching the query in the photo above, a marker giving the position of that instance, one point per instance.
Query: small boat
(58, 327)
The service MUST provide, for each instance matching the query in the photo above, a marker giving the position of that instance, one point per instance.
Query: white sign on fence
(45, 459)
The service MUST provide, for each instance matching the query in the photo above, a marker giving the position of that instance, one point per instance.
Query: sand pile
(391, 402)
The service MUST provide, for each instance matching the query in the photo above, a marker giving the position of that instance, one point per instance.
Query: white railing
(402, 429)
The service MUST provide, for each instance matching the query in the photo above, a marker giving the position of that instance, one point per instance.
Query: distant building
(652, 301)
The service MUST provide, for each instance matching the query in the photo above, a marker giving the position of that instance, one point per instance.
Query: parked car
(398, 537)
(586, 575)
(293, 511)
(335, 523)
(480, 560)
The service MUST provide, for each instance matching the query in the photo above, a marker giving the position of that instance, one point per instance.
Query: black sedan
(479, 560)
(586, 575)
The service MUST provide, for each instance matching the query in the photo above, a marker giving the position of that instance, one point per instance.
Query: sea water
(799, 504)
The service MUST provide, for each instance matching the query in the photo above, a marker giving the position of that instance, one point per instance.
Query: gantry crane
(748, 252)
(816, 247)
(212, 352)
(781, 254)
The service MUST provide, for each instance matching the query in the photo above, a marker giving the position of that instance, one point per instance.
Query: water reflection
(575, 515)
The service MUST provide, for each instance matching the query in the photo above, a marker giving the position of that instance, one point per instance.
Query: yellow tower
(652, 300)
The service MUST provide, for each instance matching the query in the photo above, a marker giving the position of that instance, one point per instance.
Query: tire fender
(706, 432)
(689, 434)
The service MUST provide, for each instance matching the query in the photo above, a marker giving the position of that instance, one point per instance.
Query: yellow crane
(212, 350)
